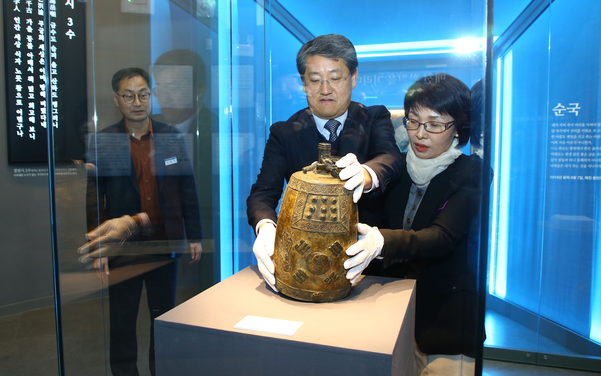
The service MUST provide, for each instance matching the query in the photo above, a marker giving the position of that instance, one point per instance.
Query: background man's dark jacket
(115, 185)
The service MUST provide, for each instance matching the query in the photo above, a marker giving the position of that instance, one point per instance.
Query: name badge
(170, 161)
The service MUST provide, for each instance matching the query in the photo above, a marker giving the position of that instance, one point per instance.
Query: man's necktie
(332, 126)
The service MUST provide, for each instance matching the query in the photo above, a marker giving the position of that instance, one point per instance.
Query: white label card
(268, 325)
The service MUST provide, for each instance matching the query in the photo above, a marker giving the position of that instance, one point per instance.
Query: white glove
(263, 250)
(366, 249)
(353, 172)
(102, 240)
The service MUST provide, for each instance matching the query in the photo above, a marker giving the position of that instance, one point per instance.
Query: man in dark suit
(143, 192)
(364, 136)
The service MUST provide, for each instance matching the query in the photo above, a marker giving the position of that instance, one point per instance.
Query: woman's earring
(456, 135)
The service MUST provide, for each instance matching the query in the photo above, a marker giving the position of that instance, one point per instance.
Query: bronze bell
(317, 222)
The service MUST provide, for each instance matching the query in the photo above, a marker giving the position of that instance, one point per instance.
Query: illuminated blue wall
(545, 254)
(248, 117)
(520, 172)
(571, 213)
(287, 96)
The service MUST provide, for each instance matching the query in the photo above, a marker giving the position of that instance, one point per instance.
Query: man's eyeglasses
(130, 98)
(334, 82)
(429, 126)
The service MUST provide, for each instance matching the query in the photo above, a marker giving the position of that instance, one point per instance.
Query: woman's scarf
(422, 171)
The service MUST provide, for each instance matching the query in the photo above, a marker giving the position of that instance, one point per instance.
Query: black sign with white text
(29, 48)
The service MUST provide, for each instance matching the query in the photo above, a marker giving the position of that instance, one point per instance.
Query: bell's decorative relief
(316, 223)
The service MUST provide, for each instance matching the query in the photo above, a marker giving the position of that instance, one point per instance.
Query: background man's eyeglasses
(130, 98)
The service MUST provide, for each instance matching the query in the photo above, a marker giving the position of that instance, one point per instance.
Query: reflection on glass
(146, 205)
(181, 84)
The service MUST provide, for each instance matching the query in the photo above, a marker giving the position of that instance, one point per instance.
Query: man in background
(144, 197)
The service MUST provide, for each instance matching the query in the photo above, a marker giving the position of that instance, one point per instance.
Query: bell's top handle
(325, 161)
(325, 152)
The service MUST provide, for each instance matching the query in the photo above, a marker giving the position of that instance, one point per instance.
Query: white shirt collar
(321, 123)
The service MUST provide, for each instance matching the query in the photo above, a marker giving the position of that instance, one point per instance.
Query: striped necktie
(332, 126)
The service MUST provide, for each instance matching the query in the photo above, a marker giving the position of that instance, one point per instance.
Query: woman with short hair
(424, 233)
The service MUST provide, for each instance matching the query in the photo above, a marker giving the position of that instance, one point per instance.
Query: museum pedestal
(368, 333)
